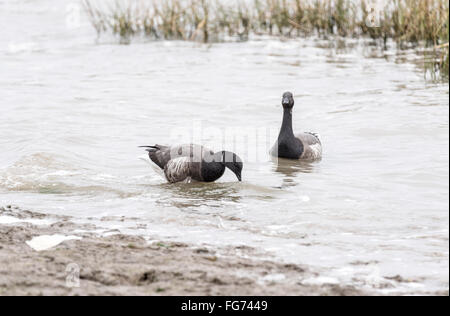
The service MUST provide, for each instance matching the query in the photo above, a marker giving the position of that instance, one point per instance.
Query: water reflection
(290, 169)
(183, 195)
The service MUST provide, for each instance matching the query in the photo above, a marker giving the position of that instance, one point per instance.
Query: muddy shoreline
(130, 265)
(96, 263)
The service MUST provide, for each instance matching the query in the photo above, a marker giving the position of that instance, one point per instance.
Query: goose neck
(286, 127)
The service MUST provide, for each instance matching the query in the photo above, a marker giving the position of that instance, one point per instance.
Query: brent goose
(185, 163)
(305, 146)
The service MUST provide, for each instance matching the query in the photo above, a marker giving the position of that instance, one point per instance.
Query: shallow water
(73, 112)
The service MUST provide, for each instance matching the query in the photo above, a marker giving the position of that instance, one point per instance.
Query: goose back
(162, 155)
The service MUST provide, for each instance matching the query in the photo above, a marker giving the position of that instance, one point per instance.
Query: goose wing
(312, 145)
(196, 152)
(178, 169)
(162, 155)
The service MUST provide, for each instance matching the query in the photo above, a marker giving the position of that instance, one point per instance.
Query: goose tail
(150, 148)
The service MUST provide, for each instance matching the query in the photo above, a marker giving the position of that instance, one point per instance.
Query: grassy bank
(410, 23)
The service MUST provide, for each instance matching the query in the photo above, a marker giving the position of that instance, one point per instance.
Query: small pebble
(210, 258)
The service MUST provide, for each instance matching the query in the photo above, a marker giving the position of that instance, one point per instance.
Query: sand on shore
(130, 265)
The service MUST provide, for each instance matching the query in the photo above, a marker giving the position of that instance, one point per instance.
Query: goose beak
(285, 102)
(239, 176)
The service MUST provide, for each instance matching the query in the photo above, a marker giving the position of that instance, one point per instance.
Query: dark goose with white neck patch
(305, 146)
(185, 163)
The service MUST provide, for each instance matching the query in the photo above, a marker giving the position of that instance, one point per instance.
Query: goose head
(234, 163)
(288, 100)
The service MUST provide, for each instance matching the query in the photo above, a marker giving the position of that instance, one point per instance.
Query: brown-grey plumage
(312, 146)
(180, 169)
(193, 162)
(161, 155)
(306, 146)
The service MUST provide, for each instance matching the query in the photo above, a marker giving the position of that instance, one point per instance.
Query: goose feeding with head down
(186, 163)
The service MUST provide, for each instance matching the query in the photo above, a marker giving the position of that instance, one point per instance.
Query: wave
(49, 173)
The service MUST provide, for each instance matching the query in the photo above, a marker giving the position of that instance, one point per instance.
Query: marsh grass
(410, 23)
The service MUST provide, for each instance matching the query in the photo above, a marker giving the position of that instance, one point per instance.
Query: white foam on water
(320, 281)
(274, 277)
(5, 220)
(305, 198)
(46, 242)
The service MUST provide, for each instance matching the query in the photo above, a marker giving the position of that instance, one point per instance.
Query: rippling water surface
(73, 112)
